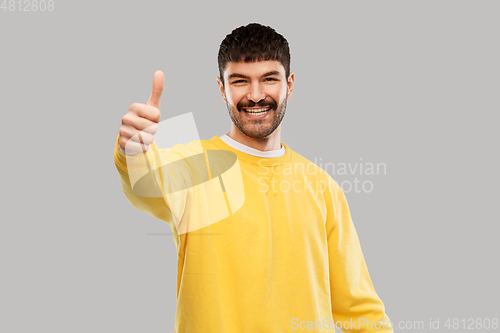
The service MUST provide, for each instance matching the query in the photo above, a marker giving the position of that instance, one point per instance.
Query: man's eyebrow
(271, 73)
(230, 76)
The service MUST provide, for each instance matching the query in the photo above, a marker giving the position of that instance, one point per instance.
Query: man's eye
(239, 81)
(271, 79)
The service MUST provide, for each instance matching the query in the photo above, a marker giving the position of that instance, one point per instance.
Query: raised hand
(140, 123)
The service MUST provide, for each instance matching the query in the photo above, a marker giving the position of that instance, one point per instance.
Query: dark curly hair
(254, 42)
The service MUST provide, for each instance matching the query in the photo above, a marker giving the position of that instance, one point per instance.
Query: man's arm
(352, 292)
(155, 203)
(141, 165)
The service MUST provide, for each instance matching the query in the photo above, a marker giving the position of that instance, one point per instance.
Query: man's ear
(291, 80)
(221, 88)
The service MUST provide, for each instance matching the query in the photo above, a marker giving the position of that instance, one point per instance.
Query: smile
(258, 111)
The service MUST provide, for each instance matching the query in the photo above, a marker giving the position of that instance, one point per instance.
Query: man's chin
(261, 133)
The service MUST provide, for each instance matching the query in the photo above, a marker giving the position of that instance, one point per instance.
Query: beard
(258, 128)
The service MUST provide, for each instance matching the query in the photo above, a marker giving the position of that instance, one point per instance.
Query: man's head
(255, 79)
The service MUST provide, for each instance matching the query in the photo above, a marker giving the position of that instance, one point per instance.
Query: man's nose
(256, 94)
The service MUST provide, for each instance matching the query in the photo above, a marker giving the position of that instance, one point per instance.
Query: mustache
(262, 104)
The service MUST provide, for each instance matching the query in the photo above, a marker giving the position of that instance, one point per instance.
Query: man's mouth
(257, 111)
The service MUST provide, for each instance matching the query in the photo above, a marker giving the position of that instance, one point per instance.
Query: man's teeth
(257, 111)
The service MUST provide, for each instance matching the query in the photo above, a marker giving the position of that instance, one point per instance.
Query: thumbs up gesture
(140, 123)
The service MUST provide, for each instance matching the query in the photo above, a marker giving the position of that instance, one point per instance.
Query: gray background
(412, 84)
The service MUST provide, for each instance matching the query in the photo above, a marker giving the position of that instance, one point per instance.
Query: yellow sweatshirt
(263, 244)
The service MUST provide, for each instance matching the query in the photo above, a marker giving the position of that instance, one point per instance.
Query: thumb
(158, 81)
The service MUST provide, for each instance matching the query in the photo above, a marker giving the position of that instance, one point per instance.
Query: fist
(140, 123)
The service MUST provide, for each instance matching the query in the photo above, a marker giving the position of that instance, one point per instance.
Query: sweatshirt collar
(252, 151)
(259, 160)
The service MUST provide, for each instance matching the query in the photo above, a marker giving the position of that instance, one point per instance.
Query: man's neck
(272, 142)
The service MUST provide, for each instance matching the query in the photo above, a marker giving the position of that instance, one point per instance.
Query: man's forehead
(254, 68)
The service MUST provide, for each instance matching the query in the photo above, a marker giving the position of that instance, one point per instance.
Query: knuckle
(134, 106)
(123, 131)
(122, 142)
(131, 120)
(153, 114)
(126, 119)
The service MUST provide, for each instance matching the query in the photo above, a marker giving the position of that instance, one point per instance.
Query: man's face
(256, 94)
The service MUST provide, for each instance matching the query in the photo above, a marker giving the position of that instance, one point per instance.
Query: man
(277, 253)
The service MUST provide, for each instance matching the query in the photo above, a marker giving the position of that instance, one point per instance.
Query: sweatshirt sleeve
(144, 170)
(355, 304)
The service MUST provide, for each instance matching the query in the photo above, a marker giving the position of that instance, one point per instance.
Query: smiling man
(285, 256)
(256, 94)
